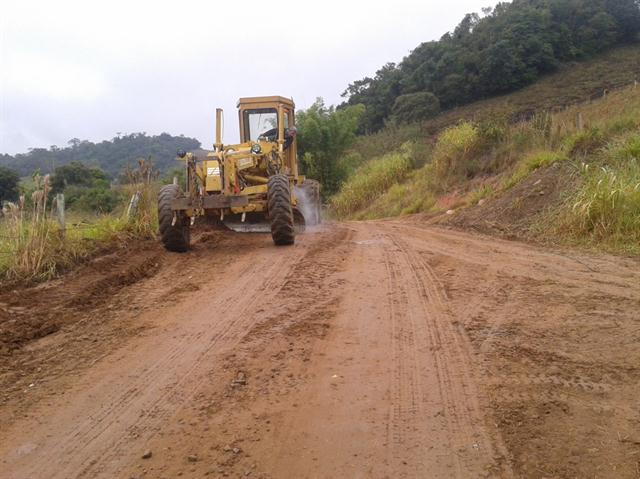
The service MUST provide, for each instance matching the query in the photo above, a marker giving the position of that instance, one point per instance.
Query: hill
(536, 164)
(573, 84)
(111, 156)
(501, 51)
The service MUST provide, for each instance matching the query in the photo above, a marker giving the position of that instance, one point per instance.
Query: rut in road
(433, 382)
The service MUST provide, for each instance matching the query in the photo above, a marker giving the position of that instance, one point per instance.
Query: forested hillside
(111, 156)
(506, 48)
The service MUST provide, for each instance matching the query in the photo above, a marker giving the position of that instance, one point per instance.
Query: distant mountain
(112, 156)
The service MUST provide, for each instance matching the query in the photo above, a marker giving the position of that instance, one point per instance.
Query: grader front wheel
(175, 234)
(280, 211)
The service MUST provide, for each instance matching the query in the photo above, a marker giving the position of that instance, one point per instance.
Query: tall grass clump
(33, 247)
(30, 238)
(142, 182)
(606, 207)
(455, 153)
(372, 180)
(408, 197)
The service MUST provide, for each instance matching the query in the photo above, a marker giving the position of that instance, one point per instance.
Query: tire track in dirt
(183, 389)
(408, 399)
(552, 334)
(372, 349)
(458, 395)
(90, 445)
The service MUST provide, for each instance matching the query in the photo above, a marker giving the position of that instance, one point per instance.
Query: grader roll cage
(251, 182)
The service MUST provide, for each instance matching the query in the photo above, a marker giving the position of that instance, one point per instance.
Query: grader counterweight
(256, 180)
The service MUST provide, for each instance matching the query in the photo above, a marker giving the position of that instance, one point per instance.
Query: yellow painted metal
(245, 162)
(256, 179)
(254, 190)
(254, 207)
(213, 178)
(243, 169)
(218, 144)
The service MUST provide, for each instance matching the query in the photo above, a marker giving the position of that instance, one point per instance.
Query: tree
(9, 180)
(414, 107)
(77, 174)
(324, 135)
(509, 47)
(85, 188)
(110, 156)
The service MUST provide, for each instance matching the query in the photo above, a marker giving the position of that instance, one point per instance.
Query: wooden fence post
(60, 212)
(133, 205)
(579, 121)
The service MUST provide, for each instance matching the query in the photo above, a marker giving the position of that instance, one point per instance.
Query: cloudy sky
(92, 69)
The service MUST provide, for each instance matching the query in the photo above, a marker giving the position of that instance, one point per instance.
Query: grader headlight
(256, 149)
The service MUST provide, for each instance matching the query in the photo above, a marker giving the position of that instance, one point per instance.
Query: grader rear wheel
(175, 236)
(280, 211)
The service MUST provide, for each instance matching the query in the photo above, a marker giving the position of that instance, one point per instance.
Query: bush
(9, 180)
(324, 136)
(98, 199)
(178, 173)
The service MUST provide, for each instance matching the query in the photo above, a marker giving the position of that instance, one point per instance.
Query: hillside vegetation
(570, 176)
(501, 51)
(111, 156)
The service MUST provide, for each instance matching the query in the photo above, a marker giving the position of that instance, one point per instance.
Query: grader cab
(255, 181)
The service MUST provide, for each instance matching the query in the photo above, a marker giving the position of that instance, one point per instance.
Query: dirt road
(367, 350)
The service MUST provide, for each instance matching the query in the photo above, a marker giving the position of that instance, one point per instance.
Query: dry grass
(33, 247)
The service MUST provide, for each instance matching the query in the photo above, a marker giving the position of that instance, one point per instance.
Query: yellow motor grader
(252, 182)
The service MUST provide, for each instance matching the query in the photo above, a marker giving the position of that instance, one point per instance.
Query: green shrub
(493, 130)
(178, 173)
(97, 199)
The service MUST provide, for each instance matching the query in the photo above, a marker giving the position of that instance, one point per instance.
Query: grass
(599, 138)
(606, 207)
(409, 197)
(33, 247)
(478, 194)
(454, 155)
(371, 180)
(533, 161)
